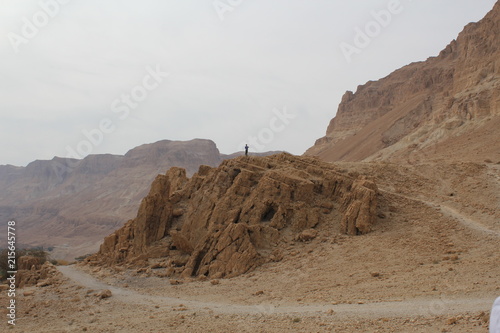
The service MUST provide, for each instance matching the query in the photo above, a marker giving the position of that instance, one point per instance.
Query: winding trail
(424, 307)
(397, 308)
(450, 212)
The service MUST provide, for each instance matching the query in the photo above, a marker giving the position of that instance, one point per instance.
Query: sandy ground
(431, 264)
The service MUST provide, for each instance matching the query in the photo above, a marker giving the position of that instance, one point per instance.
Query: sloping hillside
(447, 107)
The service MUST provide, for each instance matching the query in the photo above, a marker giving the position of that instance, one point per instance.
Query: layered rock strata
(421, 108)
(226, 221)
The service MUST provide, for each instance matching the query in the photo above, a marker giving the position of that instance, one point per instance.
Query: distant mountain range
(73, 204)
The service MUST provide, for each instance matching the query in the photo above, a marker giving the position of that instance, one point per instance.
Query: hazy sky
(88, 76)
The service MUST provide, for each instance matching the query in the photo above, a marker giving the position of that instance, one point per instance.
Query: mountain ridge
(411, 113)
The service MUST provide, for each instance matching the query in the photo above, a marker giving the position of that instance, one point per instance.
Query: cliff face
(228, 220)
(419, 108)
(73, 204)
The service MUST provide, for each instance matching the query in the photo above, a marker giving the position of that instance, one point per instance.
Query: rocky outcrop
(225, 221)
(29, 263)
(70, 204)
(31, 272)
(424, 104)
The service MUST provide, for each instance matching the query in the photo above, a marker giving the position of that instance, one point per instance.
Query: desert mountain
(368, 244)
(78, 202)
(447, 107)
(225, 221)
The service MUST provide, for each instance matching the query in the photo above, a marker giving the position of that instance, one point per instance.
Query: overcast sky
(129, 72)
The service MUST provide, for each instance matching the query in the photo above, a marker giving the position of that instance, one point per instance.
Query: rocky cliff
(417, 111)
(72, 204)
(225, 221)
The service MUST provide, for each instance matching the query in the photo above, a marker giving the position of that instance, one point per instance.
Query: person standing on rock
(246, 149)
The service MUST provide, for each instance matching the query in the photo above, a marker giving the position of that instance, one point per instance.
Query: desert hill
(368, 243)
(225, 221)
(429, 263)
(445, 108)
(79, 202)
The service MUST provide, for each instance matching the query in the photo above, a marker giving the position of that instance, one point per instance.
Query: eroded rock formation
(225, 221)
(70, 204)
(454, 97)
(31, 271)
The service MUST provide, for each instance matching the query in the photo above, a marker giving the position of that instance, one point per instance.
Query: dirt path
(466, 221)
(415, 307)
(450, 212)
